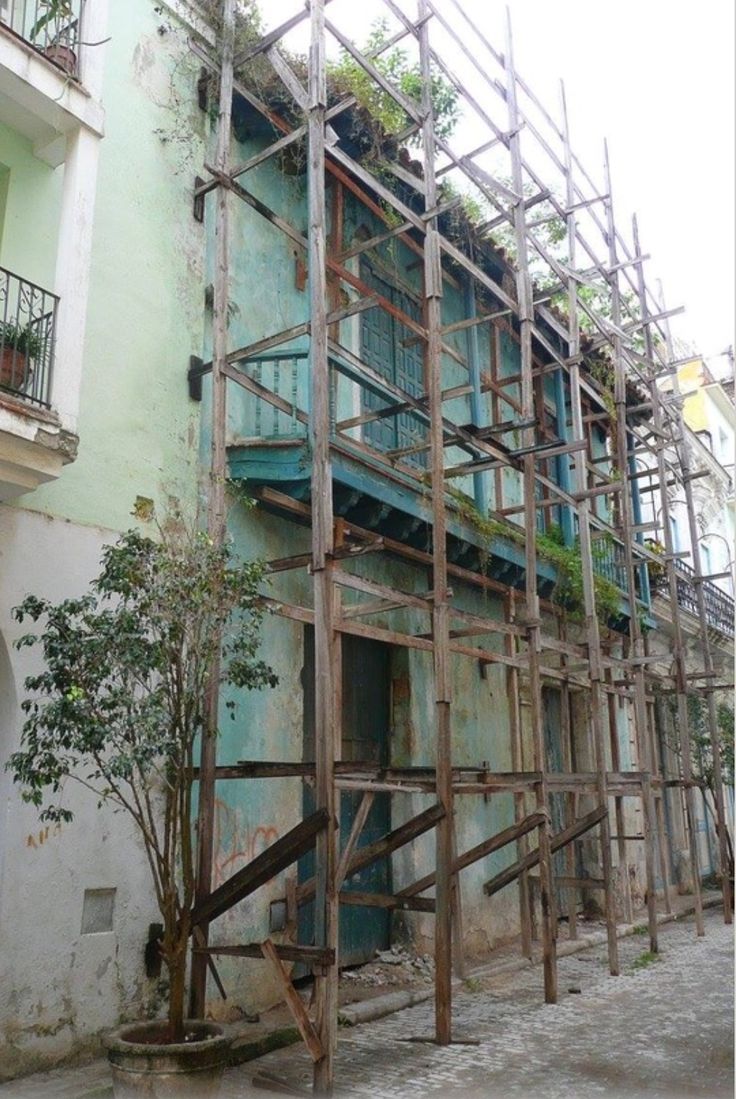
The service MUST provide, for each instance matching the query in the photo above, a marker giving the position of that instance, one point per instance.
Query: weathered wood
(294, 1002)
(366, 804)
(480, 851)
(288, 952)
(262, 868)
(216, 517)
(372, 852)
(381, 900)
(557, 843)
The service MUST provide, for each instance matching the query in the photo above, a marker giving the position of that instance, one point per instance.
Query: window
(392, 350)
(675, 534)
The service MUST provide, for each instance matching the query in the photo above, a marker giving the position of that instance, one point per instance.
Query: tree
(120, 701)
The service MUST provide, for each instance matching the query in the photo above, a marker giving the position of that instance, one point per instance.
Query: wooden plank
(381, 900)
(294, 1003)
(287, 952)
(361, 816)
(480, 851)
(261, 869)
(216, 515)
(365, 856)
(557, 843)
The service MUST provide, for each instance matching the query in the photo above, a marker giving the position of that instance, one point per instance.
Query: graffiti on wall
(236, 842)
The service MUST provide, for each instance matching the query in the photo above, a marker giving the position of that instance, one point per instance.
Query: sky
(656, 79)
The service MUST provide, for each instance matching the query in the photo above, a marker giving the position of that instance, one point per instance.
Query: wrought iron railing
(719, 607)
(27, 338)
(53, 27)
(609, 561)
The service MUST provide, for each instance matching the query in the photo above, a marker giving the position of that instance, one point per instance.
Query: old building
(441, 443)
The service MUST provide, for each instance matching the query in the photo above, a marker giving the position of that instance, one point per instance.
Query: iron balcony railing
(719, 607)
(53, 27)
(27, 338)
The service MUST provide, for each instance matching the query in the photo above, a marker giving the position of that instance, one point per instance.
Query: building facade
(109, 264)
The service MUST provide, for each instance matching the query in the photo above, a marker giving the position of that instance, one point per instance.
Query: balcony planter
(52, 32)
(18, 347)
(143, 1064)
(62, 56)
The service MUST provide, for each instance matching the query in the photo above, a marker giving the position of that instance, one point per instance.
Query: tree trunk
(177, 963)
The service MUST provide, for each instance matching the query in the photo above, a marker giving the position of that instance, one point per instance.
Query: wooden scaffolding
(647, 431)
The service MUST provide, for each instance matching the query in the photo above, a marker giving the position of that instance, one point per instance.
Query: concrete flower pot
(142, 1065)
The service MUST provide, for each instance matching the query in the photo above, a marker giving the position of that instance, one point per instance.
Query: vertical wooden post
(592, 628)
(440, 612)
(533, 614)
(326, 897)
(626, 523)
(678, 646)
(517, 764)
(216, 518)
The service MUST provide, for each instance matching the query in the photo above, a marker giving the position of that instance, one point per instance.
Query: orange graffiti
(38, 839)
(236, 844)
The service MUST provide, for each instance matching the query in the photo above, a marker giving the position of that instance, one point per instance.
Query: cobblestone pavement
(662, 1030)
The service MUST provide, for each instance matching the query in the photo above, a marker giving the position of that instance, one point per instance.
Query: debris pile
(396, 966)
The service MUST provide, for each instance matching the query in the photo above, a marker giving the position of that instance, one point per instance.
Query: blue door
(394, 351)
(365, 720)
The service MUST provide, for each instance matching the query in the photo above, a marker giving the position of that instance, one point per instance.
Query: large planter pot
(142, 1065)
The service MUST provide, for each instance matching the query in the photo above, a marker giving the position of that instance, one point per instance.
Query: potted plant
(118, 707)
(19, 346)
(56, 23)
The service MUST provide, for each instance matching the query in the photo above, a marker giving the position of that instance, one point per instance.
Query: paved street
(663, 1030)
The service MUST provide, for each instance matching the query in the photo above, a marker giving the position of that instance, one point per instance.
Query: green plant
(55, 14)
(21, 338)
(389, 117)
(121, 700)
(646, 958)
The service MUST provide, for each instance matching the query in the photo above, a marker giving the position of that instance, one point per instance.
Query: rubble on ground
(396, 966)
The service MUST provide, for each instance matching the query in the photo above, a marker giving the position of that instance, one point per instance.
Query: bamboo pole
(326, 912)
(533, 613)
(216, 517)
(433, 289)
(626, 524)
(592, 628)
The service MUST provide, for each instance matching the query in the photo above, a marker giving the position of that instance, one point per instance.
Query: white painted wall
(67, 987)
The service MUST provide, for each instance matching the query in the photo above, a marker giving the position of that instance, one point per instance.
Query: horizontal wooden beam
(288, 952)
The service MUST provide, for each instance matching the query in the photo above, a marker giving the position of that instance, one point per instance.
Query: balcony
(43, 55)
(719, 607)
(27, 339)
(33, 445)
(375, 488)
(52, 28)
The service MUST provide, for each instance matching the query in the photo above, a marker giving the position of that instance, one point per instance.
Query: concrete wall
(138, 439)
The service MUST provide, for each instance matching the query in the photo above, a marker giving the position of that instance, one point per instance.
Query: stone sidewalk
(663, 1029)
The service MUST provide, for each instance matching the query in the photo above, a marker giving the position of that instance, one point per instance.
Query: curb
(380, 1006)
